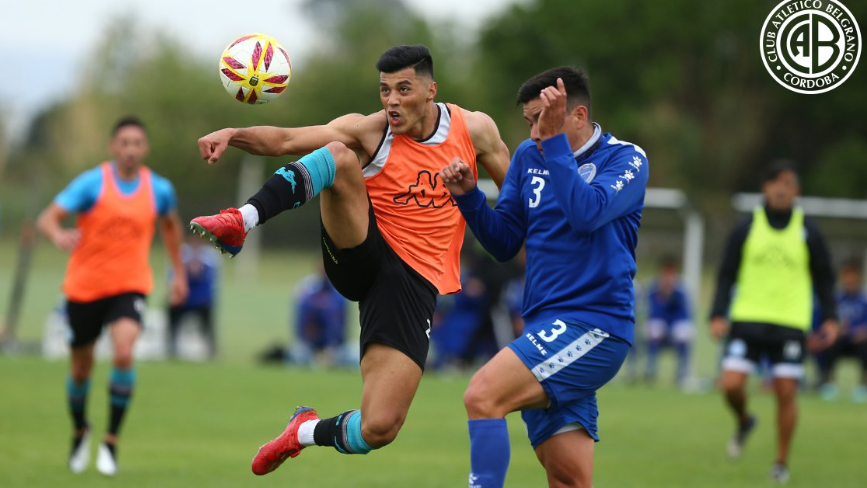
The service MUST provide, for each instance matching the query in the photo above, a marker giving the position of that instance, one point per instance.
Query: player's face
(129, 147)
(851, 280)
(404, 97)
(668, 277)
(532, 110)
(780, 192)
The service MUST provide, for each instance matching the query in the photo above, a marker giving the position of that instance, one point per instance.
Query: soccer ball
(255, 69)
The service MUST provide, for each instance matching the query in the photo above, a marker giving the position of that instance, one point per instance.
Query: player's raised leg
(77, 389)
(124, 332)
(288, 188)
(344, 208)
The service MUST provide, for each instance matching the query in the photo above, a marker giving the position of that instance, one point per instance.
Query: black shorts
(396, 303)
(86, 319)
(749, 342)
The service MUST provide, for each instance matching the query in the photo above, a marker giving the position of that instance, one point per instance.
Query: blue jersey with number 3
(579, 214)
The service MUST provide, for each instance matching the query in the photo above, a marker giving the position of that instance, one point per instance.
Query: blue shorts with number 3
(571, 360)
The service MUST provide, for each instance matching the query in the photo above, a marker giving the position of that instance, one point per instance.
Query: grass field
(200, 424)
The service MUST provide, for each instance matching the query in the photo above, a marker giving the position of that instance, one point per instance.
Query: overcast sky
(44, 41)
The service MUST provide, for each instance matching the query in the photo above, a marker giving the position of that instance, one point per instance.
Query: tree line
(683, 79)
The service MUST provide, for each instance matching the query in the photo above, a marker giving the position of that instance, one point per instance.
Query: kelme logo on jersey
(810, 46)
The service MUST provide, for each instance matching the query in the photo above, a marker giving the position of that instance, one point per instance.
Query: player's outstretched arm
(49, 224)
(281, 141)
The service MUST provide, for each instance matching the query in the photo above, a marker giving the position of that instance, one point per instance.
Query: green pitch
(199, 425)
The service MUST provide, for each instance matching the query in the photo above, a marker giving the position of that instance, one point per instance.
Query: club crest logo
(587, 172)
(810, 46)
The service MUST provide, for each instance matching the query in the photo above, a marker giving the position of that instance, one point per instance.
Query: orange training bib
(116, 234)
(415, 213)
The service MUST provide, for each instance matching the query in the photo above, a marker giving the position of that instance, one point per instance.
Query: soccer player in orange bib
(108, 277)
(391, 233)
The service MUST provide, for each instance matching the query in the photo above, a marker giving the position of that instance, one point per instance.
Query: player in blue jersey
(574, 195)
(320, 322)
(852, 310)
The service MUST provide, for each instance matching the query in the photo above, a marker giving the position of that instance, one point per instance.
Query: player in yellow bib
(774, 259)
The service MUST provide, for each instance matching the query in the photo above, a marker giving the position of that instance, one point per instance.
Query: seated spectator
(320, 323)
(668, 321)
(852, 309)
(512, 300)
(457, 322)
(201, 263)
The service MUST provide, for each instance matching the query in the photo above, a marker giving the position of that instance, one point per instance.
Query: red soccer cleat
(225, 230)
(286, 445)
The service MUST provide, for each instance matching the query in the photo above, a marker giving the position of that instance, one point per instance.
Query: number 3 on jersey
(538, 184)
(561, 328)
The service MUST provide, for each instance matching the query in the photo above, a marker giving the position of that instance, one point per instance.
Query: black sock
(78, 420)
(115, 419)
(112, 448)
(120, 389)
(286, 189)
(332, 432)
(76, 395)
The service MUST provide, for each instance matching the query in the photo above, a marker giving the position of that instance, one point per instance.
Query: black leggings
(205, 315)
(842, 348)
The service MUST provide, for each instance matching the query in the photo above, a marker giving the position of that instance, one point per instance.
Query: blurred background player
(471, 326)
(775, 258)
(576, 195)
(852, 309)
(668, 320)
(320, 323)
(118, 204)
(391, 235)
(457, 322)
(202, 265)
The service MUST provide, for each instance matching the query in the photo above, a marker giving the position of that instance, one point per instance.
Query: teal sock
(320, 166)
(295, 184)
(355, 442)
(121, 384)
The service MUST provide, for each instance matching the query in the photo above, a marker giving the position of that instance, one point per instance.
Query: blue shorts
(571, 360)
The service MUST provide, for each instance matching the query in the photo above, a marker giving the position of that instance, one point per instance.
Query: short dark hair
(852, 264)
(399, 57)
(778, 167)
(668, 261)
(575, 79)
(128, 121)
